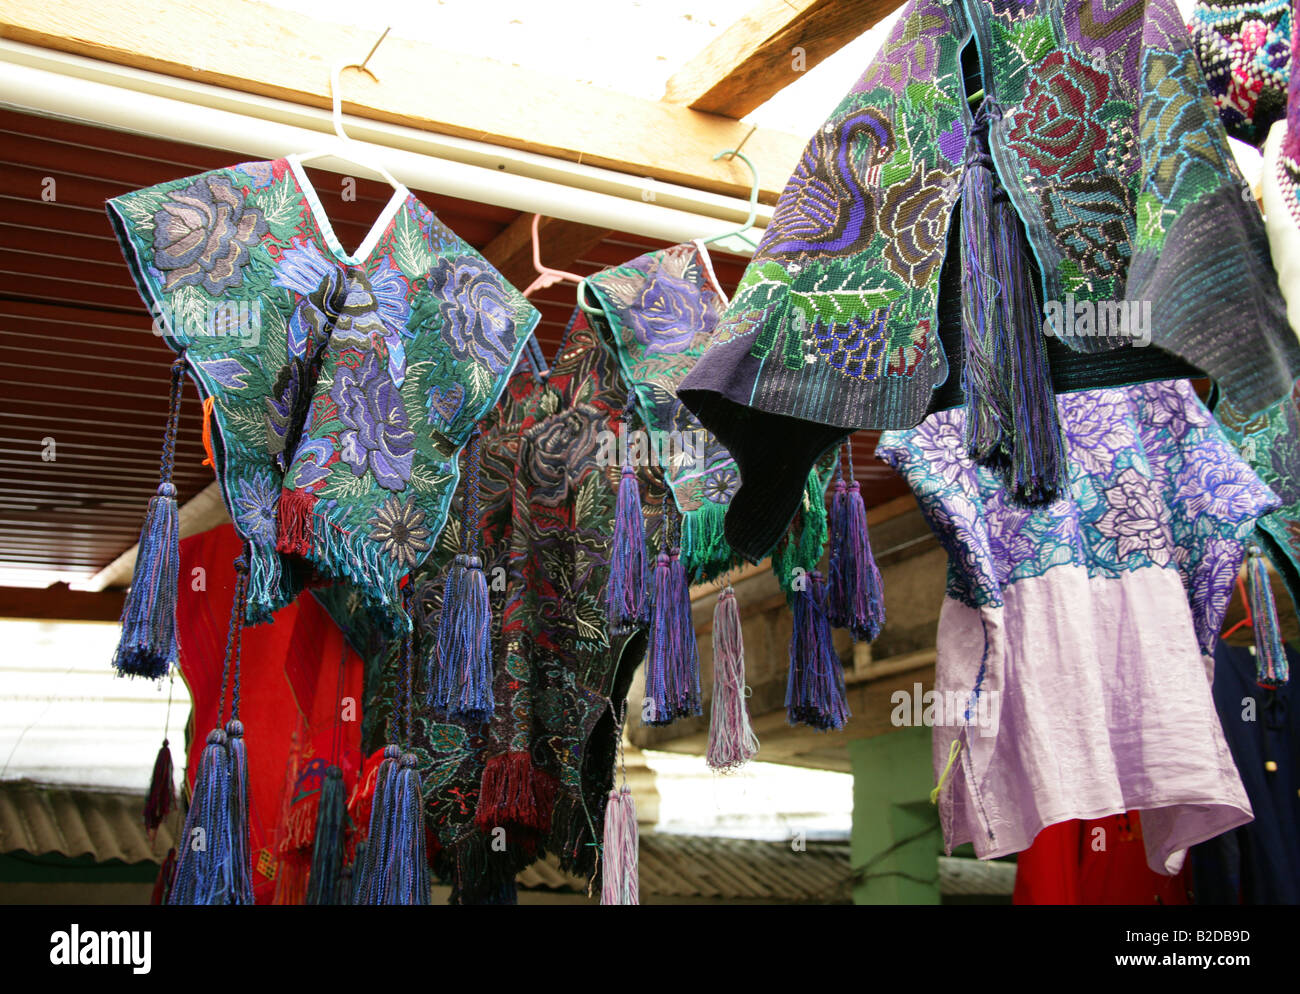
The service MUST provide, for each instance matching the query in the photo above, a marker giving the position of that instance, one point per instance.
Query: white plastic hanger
(349, 148)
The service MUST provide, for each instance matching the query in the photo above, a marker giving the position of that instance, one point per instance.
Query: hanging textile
(289, 684)
(1073, 640)
(341, 385)
(662, 309)
(1098, 861)
(537, 775)
(1096, 129)
(1258, 863)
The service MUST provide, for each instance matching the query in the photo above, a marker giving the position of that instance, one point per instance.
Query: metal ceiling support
(41, 81)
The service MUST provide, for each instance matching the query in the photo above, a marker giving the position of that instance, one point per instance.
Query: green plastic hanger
(737, 233)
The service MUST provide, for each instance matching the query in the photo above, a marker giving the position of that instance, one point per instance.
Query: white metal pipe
(41, 81)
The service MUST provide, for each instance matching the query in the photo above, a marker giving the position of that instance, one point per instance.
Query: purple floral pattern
(1154, 483)
(377, 437)
(203, 235)
(478, 316)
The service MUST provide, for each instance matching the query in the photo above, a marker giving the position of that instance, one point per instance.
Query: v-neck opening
(401, 195)
(707, 259)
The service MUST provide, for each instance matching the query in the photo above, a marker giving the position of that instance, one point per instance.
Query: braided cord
(234, 641)
(469, 516)
(168, 462)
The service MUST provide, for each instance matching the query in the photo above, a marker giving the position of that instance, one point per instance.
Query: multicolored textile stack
(342, 385)
(1062, 625)
(1100, 134)
(1244, 49)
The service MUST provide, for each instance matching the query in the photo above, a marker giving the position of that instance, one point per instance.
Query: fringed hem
(705, 551)
(269, 587)
(514, 793)
(340, 555)
(476, 871)
(572, 838)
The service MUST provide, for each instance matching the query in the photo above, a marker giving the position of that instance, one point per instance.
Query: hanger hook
(735, 153)
(336, 83)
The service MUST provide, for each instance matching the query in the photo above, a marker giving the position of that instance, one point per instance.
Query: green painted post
(896, 839)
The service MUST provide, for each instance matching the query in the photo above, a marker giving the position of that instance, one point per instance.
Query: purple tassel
(148, 642)
(1012, 424)
(732, 742)
(854, 597)
(396, 869)
(672, 661)
(162, 791)
(460, 681)
(374, 861)
(815, 693)
(1271, 670)
(625, 596)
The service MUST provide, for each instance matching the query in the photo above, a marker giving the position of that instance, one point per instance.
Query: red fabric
(290, 698)
(1100, 861)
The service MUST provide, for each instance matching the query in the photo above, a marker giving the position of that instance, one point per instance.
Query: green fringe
(804, 543)
(705, 552)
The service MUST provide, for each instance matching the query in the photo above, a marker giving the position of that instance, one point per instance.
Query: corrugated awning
(72, 821)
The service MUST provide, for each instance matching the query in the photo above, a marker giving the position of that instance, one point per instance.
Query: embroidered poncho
(542, 766)
(342, 385)
(662, 309)
(1074, 642)
(1103, 136)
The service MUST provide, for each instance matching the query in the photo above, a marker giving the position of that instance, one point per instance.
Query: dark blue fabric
(1258, 863)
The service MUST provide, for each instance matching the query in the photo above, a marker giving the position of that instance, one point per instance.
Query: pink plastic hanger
(546, 275)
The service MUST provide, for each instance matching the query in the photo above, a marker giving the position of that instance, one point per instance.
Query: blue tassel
(1271, 670)
(214, 863)
(325, 881)
(240, 853)
(203, 867)
(855, 595)
(460, 678)
(462, 684)
(394, 865)
(815, 693)
(625, 596)
(147, 646)
(374, 861)
(408, 875)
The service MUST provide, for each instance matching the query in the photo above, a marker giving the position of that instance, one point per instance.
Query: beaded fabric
(1244, 48)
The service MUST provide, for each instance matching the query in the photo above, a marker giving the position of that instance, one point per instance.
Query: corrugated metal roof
(702, 867)
(72, 821)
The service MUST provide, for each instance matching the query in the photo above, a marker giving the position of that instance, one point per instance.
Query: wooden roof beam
(766, 50)
(256, 48)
